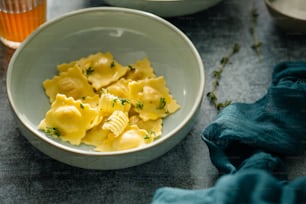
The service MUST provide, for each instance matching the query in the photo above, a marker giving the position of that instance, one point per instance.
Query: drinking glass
(19, 18)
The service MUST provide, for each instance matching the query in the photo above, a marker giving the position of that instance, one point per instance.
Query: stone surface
(28, 176)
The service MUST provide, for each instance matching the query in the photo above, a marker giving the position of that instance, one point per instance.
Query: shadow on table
(5, 56)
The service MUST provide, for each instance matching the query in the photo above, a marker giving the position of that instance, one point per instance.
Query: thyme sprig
(256, 42)
(212, 96)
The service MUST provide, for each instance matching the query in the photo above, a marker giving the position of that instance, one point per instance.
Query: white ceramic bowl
(288, 15)
(166, 8)
(129, 35)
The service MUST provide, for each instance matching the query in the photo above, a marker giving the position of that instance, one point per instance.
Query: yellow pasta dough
(69, 117)
(152, 99)
(133, 137)
(101, 69)
(153, 127)
(71, 83)
(141, 69)
(99, 102)
(119, 88)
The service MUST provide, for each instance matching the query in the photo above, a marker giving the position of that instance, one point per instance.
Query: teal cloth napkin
(247, 143)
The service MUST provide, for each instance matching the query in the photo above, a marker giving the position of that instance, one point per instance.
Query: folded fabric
(253, 186)
(247, 142)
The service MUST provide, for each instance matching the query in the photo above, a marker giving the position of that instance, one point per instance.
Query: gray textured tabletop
(28, 176)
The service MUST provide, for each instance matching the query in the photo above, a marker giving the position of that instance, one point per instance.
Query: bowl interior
(129, 35)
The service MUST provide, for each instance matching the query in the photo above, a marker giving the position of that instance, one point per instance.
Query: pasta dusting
(97, 101)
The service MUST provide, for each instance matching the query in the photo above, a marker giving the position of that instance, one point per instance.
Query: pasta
(151, 98)
(71, 119)
(70, 83)
(98, 102)
(110, 103)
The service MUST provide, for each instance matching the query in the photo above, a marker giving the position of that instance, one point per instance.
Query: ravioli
(69, 117)
(71, 83)
(98, 102)
(141, 69)
(153, 127)
(119, 88)
(133, 137)
(151, 98)
(102, 69)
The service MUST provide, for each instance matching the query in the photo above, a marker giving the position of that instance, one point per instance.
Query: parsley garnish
(114, 101)
(162, 103)
(81, 106)
(139, 105)
(212, 97)
(131, 68)
(124, 101)
(149, 135)
(52, 131)
(89, 71)
(112, 65)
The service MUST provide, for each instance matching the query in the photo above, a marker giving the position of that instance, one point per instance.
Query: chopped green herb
(112, 65)
(150, 134)
(162, 103)
(89, 71)
(131, 68)
(139, 105)
(114, 101)
(81, 106)
(124, 101)
(52, 131)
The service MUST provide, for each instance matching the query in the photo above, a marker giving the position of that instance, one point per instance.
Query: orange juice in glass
(19, 18)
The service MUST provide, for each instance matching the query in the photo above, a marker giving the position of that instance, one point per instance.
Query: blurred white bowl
(166, 8)
(288, 15)
(129, 35)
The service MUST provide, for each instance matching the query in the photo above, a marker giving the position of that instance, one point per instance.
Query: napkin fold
(247, 143)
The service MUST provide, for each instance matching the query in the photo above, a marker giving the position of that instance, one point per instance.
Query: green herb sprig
(256, 42)
(212, 96)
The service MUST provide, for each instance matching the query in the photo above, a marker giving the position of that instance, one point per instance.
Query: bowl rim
(153, 17)
(281, 12)
(157, 6)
